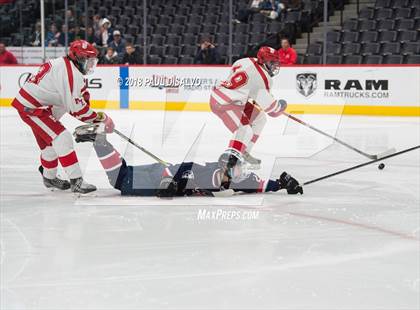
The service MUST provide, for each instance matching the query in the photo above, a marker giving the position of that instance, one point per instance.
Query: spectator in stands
(287, 54)
(272, 9)
(61, 41)
(95, 24)
(91, 35)
(118, 44)
(294, 5)
(70, 18)
(110, 57)
(207, 54)
(105, 32)
(132, 55)
(52, 36)
(36, 36)
(78, 33)
(243, 14)
(6, 57)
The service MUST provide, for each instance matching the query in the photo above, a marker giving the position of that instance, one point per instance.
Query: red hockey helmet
(268, 57)
(83, 54)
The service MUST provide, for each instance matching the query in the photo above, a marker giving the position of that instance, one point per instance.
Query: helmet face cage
(238, 171)
(84, 56)
(273, 67)
(87, 64)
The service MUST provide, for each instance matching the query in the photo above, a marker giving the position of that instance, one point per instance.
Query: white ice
(350, 242)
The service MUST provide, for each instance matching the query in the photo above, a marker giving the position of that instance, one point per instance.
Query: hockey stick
(371, 156)
(359, 166)
(141, 148)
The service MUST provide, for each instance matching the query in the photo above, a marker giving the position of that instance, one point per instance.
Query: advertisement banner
(361, 90)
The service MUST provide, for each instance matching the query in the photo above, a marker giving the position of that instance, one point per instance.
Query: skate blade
(81, 195)
(55, 189)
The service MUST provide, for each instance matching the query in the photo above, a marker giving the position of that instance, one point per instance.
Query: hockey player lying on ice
(183, 179)
(59, 88)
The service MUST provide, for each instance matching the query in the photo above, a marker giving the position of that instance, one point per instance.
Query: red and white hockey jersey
(58, 85)
(247, 81)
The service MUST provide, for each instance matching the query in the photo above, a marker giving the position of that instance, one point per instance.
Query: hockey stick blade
(371, 156)
(359, 166)
(386, 153)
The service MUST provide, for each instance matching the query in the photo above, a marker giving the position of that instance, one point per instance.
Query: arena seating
(175, 27)
(388, 33)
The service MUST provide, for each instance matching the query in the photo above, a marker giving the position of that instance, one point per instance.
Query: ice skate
(80, 186)
(253, 163)
(89, 133)
(54, 183)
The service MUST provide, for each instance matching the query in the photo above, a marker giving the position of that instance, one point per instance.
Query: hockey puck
(381, 166)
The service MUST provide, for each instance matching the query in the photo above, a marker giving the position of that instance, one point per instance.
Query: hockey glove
(167, 188)
(289, 183)
(103, 118)
(279, 108)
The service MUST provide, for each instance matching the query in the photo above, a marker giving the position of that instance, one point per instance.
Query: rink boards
(363, 90)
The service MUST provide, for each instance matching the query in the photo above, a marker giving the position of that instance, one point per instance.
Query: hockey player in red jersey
(58, 88)
(244, 99)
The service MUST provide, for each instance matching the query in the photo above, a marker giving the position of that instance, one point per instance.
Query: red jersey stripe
(29, 98)
(222, 95)
(18, 106)
(69, 73)
(88, 118)
(82, 111)
(262, 74)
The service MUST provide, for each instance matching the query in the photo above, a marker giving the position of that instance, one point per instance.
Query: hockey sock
(49, 161)
(63, 146)
(257, 126)
(241, 139)
(114, 166)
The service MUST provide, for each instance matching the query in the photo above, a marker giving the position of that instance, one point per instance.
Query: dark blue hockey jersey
(144, 180)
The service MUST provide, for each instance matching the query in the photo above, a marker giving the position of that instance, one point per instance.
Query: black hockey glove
(167, 188)
(290, 184)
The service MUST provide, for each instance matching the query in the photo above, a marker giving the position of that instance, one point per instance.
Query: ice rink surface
(350, 242)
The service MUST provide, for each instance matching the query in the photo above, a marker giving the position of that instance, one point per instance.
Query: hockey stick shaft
(360, 165)
(330, 136)
(141, 148)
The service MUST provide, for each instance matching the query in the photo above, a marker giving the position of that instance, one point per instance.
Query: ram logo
(306, 83)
